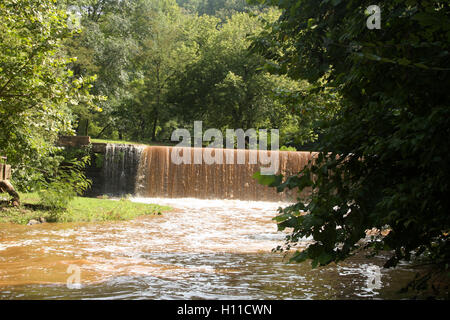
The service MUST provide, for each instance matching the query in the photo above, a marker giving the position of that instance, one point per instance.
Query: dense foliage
(136, 70)
(162, 67)
(225, 85)
(219, 8)
(37, 90)
(383, 158)
(68, 180)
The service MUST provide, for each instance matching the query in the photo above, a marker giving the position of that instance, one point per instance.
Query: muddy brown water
(204, 249)
(169, 172)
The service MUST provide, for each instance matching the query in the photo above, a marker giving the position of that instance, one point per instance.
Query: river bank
(80, 209)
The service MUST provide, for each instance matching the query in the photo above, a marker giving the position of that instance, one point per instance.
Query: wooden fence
(5, 170)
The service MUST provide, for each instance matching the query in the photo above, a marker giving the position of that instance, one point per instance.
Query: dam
(149, 171)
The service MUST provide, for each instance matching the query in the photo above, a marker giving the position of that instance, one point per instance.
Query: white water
(208, 249)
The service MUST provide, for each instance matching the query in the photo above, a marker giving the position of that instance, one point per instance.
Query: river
(203, 249)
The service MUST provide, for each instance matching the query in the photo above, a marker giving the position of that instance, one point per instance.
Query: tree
(218, 8)
(105, 49)
(132, 47)
(383, 158)
(37, 90)
(225, 84)
(160, 57)
(161, 67)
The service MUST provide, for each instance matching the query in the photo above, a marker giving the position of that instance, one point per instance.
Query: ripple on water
(206, 249)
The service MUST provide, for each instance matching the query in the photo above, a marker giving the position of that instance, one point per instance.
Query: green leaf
(267, 180)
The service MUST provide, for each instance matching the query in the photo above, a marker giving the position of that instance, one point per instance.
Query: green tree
(218, 8)
(132, 47)
(160, 57)
(225, 84)
(37, 90)
(383, 158)
(160, 68)
(105, 49)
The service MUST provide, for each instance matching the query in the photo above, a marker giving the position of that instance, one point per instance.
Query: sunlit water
(204, 249)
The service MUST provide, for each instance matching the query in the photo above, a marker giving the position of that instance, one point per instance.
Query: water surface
(203, 249)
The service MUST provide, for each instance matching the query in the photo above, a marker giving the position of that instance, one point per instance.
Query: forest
(373, 103)
(189, 61)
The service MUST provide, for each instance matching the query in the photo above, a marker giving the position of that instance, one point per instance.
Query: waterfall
(150, 172)
(158, 176)
(120, 165)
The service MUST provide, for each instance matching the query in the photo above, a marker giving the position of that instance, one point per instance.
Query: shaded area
(119, 168)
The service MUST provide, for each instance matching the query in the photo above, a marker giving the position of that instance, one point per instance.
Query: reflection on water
(204, 249)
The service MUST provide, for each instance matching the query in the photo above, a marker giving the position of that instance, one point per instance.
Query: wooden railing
(5, 170)
(5, 185)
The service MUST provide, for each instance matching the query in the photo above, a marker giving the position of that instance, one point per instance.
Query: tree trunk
(6, 186)
(101, 132)
(155, 123)
(87, 127)
(158, 102)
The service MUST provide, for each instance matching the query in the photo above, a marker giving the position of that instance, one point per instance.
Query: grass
(79, 209)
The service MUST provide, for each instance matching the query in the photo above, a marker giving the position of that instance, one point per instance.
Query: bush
(284, 148)
(383, 158)
(69, 181)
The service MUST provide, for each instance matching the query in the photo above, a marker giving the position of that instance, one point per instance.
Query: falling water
(119, 169)
(158, 176)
